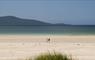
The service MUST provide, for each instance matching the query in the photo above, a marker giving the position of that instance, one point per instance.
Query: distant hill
(12, 20)
(16, 21)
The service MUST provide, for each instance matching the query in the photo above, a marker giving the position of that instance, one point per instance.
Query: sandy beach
(16, 47)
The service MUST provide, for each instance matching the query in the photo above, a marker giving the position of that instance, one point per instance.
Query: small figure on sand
(48, 39)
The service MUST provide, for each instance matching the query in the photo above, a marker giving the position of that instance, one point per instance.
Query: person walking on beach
(48, 39)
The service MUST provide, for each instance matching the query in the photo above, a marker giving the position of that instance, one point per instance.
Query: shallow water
(54, 30)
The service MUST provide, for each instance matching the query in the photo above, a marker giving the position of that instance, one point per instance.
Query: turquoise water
(56, 30)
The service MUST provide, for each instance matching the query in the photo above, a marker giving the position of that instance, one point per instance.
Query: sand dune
(15, 47)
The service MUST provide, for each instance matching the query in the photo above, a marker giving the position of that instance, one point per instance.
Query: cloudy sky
(53, 11)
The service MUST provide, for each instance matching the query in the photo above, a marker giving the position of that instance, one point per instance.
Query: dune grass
(51, 56)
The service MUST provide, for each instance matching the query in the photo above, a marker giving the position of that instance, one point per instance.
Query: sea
(48, 30)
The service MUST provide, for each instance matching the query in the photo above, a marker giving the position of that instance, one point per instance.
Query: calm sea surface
(56, 30)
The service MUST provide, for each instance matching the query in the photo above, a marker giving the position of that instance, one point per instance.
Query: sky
(75, 12)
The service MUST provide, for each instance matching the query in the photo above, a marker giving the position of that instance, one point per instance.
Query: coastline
(23, 37)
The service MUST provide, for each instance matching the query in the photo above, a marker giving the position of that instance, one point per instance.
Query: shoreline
(56, 38)
(53, 34)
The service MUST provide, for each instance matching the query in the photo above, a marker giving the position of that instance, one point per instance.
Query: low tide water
(54, 30)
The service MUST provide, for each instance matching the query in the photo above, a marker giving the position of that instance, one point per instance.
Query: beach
(17, 47)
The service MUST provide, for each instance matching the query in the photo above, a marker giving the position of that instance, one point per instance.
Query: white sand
(15, 47)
